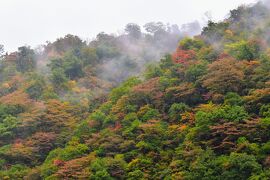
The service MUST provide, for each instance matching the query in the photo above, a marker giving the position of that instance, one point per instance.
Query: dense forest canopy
(145, 104)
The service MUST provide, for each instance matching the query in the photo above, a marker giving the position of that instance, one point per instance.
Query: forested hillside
(110, 109)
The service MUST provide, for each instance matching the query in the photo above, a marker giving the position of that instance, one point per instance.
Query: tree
(133, 30)
(148, 92)
(123, 89)
(256, 98)
(191, 44)
(7, 110)
(265, 110)
(1, 50)
(194, 72)
(26, 59)
(184, 93)
(72, 66)
(59, 79)
(89, 56)
(154, 27)
(65, 44)
(17, 171)
(244, 50)
(7, 126)
(36, 87)
(43, 143)
(214, 32)
(183, 56)
(241, 166)
(176, 110)
(152, 71)
(75, 169)
(224, 75)
(237, 14)
(99, 170)
(233, 99)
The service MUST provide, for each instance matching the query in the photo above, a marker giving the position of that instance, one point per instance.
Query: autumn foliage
(202, 112)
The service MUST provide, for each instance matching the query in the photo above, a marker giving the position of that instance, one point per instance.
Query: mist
(111, 57)
(34, 22)
(121, 55)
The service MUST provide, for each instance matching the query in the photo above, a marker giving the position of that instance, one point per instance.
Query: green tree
(176, 109)
(37, 86)
(241, 166)
(72, 66)
(191, 44)
(26, 59)
(59, 79)
(194, 72)
(7, 127)
(233, 99)
(244, 50)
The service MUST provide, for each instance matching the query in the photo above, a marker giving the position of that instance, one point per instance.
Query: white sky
(34, 22)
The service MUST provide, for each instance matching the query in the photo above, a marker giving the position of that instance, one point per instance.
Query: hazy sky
(33, 22)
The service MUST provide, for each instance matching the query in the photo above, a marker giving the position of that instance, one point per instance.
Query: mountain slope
(202, 112)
